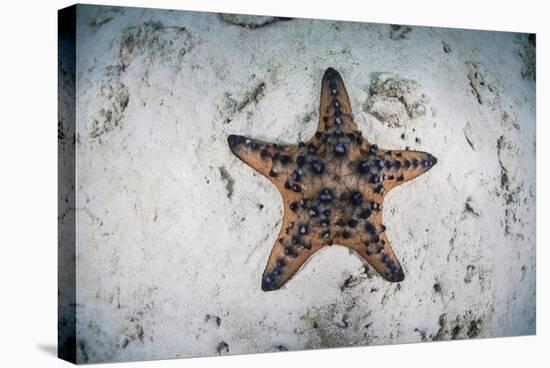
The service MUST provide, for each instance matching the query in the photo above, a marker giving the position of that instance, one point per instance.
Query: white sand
(174, 231)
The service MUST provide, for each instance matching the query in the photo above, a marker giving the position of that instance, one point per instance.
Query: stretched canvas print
(234, 184)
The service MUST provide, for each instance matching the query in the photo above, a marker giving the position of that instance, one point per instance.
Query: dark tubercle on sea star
(333, 187)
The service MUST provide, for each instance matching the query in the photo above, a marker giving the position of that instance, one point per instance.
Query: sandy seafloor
(173, 231)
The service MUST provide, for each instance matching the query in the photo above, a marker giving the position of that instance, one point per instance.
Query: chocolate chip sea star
(333, 187)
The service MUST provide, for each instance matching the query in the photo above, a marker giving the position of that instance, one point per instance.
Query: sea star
(332, 187)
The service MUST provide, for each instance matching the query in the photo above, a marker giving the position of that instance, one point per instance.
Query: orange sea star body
(333, 187)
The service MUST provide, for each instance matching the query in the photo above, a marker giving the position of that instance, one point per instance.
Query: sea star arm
(334, 107)
(401, 166)
(286, 256)
(269, 159)
(299, 238)
(373, 246)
